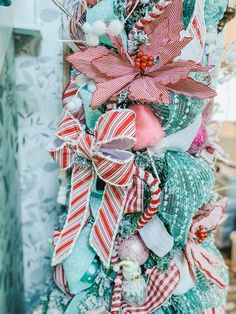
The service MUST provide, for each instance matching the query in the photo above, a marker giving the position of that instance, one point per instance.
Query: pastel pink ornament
(148, 128)
(134, 249)
(199, 140)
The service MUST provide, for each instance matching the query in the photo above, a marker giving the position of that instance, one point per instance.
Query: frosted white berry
(115, 27)
(92, 40)
(87, 28)
(75, 104)
(92, 86)
(99, 28)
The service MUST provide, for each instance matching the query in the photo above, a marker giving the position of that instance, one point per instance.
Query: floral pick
(153, 73)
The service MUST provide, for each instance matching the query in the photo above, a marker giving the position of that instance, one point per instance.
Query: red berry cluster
(201, 234)
(143, 61)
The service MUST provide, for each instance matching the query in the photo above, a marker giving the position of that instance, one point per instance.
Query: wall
(38, 85)
(11, 267)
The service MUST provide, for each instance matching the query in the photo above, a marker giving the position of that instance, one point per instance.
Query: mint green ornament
(104, 11)
(82, 255)
(92, 272)
(91, 115)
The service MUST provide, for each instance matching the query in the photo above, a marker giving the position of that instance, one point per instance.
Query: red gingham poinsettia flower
(152, 73)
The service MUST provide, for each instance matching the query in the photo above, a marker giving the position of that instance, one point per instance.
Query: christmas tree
(137, 234)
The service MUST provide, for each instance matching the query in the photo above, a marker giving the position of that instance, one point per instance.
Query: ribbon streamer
(107, 155)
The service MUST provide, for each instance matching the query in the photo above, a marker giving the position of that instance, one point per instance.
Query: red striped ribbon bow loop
(205, 221)
(106, 154)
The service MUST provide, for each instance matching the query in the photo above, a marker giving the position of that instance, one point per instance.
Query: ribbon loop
(107, 151)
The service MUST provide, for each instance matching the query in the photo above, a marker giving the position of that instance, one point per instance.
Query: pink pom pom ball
(199, 141)
(148, 128)
(134, 249)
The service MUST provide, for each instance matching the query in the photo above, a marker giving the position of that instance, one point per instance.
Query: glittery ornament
(199, 141)
(133, 248)
(91, 273)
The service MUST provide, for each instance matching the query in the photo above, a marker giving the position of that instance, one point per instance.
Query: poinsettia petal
(192, 88)
(174, 13)
(119, 45)
(82, 61)
(147, 89)
(171, 51)
(204, 261)
(107, 89)
(176, 71)
(113, 66)
(157, 39)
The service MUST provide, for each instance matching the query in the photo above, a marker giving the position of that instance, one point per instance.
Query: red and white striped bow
(107, 156)
(205, 221)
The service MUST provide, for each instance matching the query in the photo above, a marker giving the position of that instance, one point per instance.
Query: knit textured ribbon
(115, 72)
(107, 156)
(197, 256)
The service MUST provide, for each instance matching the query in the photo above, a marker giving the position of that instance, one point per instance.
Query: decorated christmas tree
(137, 232)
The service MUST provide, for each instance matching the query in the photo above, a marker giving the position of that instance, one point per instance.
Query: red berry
(149, 64)
(199, 241)
(143, 65)
(137, 60)
(150, 58)
(137, 65)
(144, 58)
(140, 54)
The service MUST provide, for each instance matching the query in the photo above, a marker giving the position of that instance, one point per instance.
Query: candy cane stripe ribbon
(107, 156)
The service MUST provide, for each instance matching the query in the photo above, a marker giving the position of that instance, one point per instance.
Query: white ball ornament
(92, 40)
(87, 28)
(115, 27)
(99, 28)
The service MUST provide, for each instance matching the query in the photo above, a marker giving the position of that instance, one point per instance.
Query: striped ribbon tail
(153, 185)
(107, 222)
(78, 213)
(60, 279)
(59, 273)
(161, 286)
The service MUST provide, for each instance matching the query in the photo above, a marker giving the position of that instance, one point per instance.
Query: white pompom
(75, 104)
(99, 28)
(92, 86)
(87, 28)
(92, 40)
(115, 27)
(221, 80)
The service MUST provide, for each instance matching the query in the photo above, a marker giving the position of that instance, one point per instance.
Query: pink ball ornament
(199, 141)
(148, 128)
(133, 248)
